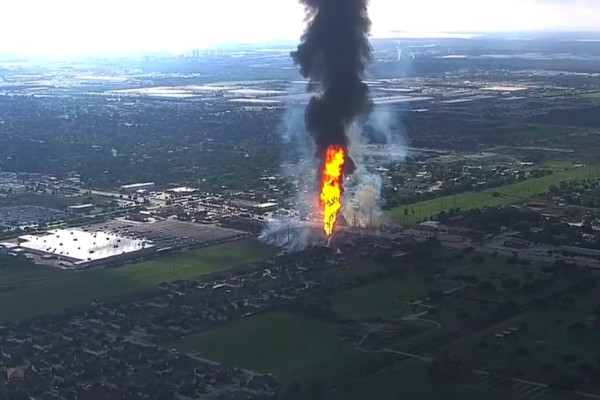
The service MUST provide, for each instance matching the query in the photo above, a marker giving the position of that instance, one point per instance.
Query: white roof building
(80, 247)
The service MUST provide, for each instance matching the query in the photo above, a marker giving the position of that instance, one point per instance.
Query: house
(15, 375)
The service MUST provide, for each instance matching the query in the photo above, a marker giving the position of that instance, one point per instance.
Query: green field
(494, 197)
(541, 132)
(409, 380)
(385, 299)
(592, 95)
(49, 201)
(290, 347)
(546, 342)
(362, 270)
(27, 290)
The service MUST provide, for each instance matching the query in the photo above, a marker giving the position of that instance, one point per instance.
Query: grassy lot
(592, 95)
(27, 290)
(545, 344)
(386, 298)
(288, 346)
(49, 201)
(360, 270)
(407, 381)
(494, 197)
(410, 380)
(541, 132)
(557, 165)
(496, 270)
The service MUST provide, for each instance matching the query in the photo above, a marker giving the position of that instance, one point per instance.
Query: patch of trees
(168, 142)
(490, 220)
(581, 193)
(585, 117)
(446, 368)
(319, 308)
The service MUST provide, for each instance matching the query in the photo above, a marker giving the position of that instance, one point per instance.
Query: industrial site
(410, 218)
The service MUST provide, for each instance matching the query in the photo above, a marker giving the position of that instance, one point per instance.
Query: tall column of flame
(331, 192)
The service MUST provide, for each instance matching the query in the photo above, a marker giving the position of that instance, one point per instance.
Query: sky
(63, 27)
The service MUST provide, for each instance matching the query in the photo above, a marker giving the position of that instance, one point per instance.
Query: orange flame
(331, 192)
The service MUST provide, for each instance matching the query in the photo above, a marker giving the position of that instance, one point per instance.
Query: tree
(478, 259)
(578, 328)
(446, 368)
(569, 358)
(511, 284)
(523, 327)
(566, 382)
(508, 308)
(468, 250)
(486, 287)
(541, 303)
(318, 387)
(586, 368)
(512, 260)
(294, 389)
(522, 351)
(547, 368)
(435, 295)
(381, 257)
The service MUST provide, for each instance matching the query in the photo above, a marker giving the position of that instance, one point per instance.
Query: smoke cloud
(333, 55)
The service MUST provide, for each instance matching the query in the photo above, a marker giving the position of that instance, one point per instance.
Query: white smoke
(362, 199)
(362, 206)
(362, 196)
(388, 125)
(299, 169)
(289, 235)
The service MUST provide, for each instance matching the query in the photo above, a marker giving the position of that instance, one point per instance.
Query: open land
(393, 316)
(288, 346)
(505, 195)
(494, 298)
(37, 290)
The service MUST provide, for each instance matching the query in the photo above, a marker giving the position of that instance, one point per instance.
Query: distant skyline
(63, 27)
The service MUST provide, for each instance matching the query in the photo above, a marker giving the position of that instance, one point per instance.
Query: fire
(331, 192)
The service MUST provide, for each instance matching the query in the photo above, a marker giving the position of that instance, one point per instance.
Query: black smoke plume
(333, 55)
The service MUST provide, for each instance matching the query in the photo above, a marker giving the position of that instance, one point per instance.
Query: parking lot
(16, 216)
(170, 233)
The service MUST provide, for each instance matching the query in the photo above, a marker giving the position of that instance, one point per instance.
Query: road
(538, 384)
(524, 254)
(401, 353)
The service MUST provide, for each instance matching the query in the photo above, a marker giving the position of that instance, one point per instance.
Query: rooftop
(80, 245)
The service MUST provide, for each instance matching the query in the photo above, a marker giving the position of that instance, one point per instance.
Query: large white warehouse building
(83, 249)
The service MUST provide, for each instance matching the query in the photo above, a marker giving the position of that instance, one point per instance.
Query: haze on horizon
(110, 27)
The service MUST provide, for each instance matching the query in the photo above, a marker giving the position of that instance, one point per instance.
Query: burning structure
(333, 55)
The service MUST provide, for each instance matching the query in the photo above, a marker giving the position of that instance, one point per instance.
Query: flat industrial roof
(83, 246)
(267, 205)
(505, 88)
(81, 206)
(183, 189)
(134, 185)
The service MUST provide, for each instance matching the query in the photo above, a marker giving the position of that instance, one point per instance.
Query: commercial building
(265, 207)
(81, 249)
(81, 209)
(182, 191)
(14, 188)
(134, 187)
